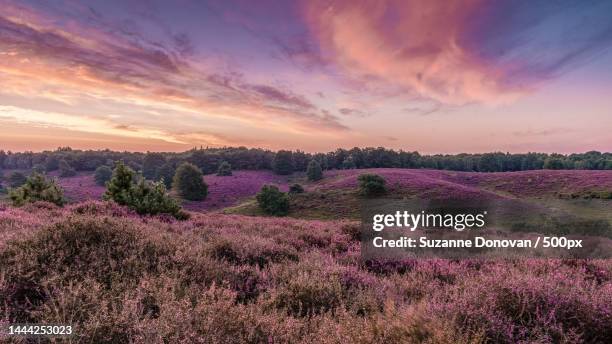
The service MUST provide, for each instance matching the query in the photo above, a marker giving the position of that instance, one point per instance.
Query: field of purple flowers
(222, 191)
(460, 185)
(119, 277)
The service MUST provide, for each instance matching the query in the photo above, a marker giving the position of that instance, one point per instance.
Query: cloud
(458, 52)
(353, 112)
(541, 133)
(120, 63)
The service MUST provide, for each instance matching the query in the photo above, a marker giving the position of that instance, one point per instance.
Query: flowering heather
(81, 187)
(225, 191)
(450, 184)
(120, 277)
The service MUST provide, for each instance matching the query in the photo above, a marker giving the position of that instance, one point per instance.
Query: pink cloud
(412, 45)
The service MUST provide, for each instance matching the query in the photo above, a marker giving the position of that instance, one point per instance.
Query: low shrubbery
(141, 195)
(118, 277)
(37, 188)
(273, 201)
(371, 185)
(189, 182)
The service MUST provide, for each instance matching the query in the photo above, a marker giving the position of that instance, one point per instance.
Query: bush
(65, 169)
(16, 179)
(118, 188)
(144, 197)
(371, 185)
(225, 169)
(37, 188)
(102, 175)
(165, 174)
(283, 162)
(151, 198)
(272, 201)
(296, 189)
(314, 171)
(189, 182)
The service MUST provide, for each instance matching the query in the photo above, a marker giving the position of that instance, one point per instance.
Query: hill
(218, 278)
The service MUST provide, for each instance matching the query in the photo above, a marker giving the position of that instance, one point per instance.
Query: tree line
(209, 160)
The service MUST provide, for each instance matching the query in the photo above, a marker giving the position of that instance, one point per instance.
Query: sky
(433, 76)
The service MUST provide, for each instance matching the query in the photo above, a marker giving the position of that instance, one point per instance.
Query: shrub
(189, 182)
(37, 188)
(118, 188)
(102, 175)
(296, 189)
(272, 201)
(371, 185)
(151, 198)
(165, 174)
(283, 162)
(225, 169)
(65, 169)
(113, 253)
(314, 171)
(16, 179)
(143, 196)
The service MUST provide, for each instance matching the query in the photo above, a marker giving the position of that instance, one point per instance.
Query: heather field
(339, 185)
(224, 277)
(119, 277)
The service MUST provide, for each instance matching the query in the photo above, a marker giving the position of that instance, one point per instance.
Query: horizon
(439, 78)
(293, 150)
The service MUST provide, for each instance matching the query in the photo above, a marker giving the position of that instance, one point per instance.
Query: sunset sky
(433, 76)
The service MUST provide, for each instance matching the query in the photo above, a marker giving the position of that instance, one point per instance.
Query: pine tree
(314, 171)
(189, 182)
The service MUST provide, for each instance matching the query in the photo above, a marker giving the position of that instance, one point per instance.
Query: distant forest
(285, 162)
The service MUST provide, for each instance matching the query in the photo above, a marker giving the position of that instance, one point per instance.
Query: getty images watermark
(456, 229)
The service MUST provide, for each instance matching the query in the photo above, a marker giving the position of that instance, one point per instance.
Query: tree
(65, 169)
(314, 171)
(553, 164)
(16, 179)
(141, 195)
(51, 163)
(37, 188)
(189, 182)
(102, 175)
(272, 201)
(151, 163)
(225, 169)
(118, 188)
(283, 162)
(296, 189)
(371, 185)
(150, 198)
(38, 168)
(349, 163)
(165, 174)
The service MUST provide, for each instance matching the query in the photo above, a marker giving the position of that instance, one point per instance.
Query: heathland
(232, 274)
